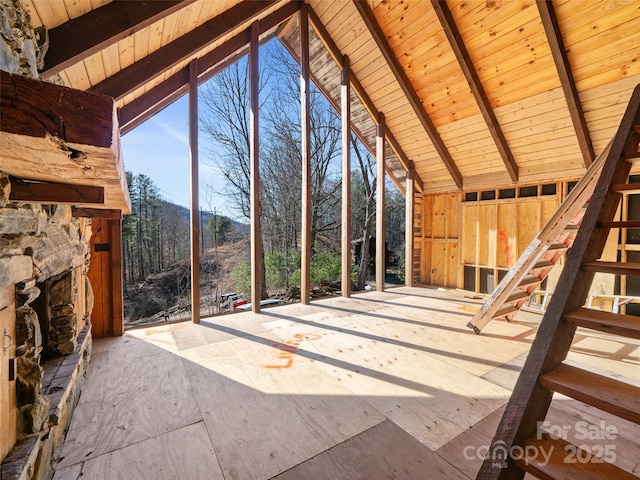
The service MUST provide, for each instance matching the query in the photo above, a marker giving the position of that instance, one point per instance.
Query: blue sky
(159, 148)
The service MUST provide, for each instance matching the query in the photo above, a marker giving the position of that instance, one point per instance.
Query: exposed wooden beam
(53, 133)
(335, 53)
(81, 37)
(153, 101)
(213, 62)
(52, 192)
(469, 70)
(181, 49)
(84, 212)
(345, 232)
(403, 81)
(305, 150)
(559, 53)
(194, 190)
(254, 167)
(408, 230)
(380, 201)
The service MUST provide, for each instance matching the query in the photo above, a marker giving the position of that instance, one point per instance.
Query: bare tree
(364, 206)
(226, 98)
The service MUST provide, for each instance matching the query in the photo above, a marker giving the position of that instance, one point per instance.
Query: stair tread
(551, 457)
(504, 310)
(530, 280)
(626, 187)
(613, 396)
(612, 267)
(516, 295)
(542, 263)
(616, 323)
(557, 246)
(620, 224)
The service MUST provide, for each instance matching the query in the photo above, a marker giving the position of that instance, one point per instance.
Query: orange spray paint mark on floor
(467, 308)
(289, 348)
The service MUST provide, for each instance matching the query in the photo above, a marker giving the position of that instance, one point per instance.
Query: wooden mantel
(51, 133)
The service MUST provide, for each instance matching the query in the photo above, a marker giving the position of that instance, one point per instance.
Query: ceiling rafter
(78, 39)
(403, 81)
(470, 73)
(559, 53)
(181, 49)
(337, 56)
(174, 87)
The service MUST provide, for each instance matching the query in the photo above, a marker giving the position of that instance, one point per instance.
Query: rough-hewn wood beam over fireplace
(51, 133)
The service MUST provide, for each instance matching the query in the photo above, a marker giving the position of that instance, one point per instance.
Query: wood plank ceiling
(474, 93)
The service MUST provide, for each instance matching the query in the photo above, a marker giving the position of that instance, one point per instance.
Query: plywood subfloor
(378, 386)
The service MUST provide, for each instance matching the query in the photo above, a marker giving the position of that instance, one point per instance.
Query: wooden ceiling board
(155, 35)
(99, 3)
(602, 66)
(126, 48)
(593, 17)
(111, 59)
(95, 68)
(77, 8)
(77, 76)
(33, 13)
(51, 14)
(480, 20)
(141, 44)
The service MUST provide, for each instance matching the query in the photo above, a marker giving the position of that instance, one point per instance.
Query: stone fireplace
(45, 297)
(44, 257)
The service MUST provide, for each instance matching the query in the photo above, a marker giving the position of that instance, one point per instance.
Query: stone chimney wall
(42, 247)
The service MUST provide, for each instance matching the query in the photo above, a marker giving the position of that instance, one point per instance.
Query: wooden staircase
(545, 370)
(544, 251)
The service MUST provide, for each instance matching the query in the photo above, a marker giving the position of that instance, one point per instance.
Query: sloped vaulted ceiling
(474, 93)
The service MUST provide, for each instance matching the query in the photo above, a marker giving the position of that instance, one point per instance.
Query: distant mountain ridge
(206, 215)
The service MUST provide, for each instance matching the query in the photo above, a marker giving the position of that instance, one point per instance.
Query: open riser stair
(546, 371)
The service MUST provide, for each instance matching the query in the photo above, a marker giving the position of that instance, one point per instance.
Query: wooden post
(256, 287)
(116, 278)
(194, 192)
(305, 272)
(408, 229)
(345, 94)
(380, 231)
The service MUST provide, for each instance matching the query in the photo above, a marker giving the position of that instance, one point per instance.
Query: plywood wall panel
(529, 223)
(453, 277)
(470, 228)
(438, 262)
(507, 248)
(487, 216)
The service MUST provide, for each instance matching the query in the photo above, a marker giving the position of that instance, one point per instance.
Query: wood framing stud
(457, 44)
(195, 192)
(51, 192)
(408, 230)
(305, 271)
(380, 201)
(559, 53)
(345, 94)
(254, 154)
(403, 81)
